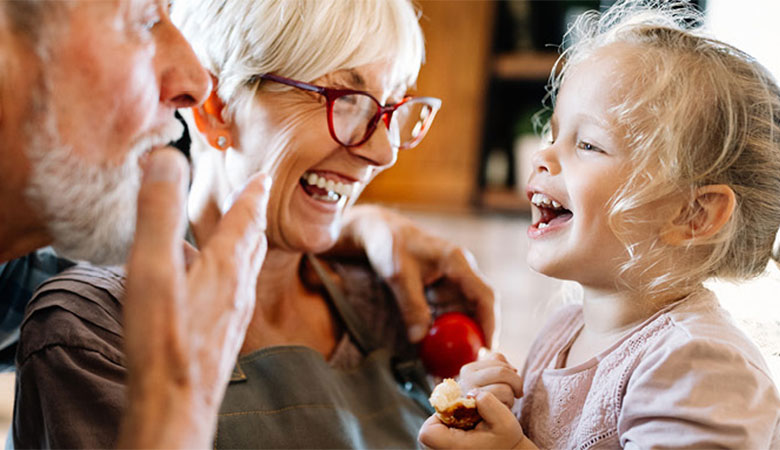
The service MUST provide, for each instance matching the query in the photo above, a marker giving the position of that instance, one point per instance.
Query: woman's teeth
(333, 190)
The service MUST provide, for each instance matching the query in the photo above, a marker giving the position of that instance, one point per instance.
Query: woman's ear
(698, 221)
(211, 123)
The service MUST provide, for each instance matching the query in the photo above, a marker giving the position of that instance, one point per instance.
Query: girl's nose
(545, 160)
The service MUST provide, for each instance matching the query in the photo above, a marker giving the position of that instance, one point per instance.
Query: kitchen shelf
(524, 65)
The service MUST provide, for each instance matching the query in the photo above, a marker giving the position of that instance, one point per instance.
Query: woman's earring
(222, 141)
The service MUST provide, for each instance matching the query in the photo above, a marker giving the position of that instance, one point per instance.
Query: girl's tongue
(552, 216)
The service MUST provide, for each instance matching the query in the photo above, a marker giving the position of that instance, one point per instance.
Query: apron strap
(363, 337)
(408, 369)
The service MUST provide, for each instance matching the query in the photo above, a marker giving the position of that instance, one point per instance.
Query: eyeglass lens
(354, 116)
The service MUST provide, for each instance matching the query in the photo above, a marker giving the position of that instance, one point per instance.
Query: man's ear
(211, 123)
(698, 221)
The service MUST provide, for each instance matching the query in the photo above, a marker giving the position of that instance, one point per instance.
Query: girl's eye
(582, 145)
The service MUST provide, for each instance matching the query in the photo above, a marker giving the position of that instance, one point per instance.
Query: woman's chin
(306, 239)
(320, 246)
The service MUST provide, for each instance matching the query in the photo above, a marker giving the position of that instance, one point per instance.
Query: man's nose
(184, 82)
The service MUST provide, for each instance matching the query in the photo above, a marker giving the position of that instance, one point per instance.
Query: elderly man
(87, 95)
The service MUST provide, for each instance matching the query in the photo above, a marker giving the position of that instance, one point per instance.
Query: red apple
(453, 340)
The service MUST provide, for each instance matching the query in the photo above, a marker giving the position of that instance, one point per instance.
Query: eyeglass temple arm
(289, 82)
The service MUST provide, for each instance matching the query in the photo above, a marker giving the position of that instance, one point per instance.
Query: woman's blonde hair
(300, 39)
(697, 112)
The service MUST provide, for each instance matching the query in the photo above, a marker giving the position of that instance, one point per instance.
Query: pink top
(687, 377)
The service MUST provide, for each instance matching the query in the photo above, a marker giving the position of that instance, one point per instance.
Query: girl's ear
(698, 221)
(210, 121)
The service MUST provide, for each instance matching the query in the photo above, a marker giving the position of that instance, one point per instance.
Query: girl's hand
(499, 429)
(493, 374)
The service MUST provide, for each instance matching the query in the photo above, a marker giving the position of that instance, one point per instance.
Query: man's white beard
(90, 210)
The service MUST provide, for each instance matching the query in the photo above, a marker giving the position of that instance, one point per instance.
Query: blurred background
(489, 61)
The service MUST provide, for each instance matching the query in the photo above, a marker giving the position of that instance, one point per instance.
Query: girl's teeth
(542, 225)
(544, 201)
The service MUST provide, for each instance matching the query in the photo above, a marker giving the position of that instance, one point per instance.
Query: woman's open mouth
(325, 187)
(551, 211)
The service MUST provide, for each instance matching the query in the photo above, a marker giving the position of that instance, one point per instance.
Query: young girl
(663, 171)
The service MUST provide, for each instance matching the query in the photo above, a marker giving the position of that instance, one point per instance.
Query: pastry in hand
(452, 407)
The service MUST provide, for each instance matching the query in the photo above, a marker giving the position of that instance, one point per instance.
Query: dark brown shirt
(70, 367)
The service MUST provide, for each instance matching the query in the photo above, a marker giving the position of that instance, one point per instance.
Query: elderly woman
(315, 94)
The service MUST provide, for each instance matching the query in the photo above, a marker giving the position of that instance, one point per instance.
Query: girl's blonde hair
(237, 40)
(697, 112)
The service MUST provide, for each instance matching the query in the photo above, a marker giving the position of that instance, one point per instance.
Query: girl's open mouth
(551, 211)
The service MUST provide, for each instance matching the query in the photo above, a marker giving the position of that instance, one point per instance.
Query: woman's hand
(499, 429)
(493, 374)
(185, 313)
(411, 260)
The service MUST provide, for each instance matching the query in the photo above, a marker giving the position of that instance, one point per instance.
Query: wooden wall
(441, 172)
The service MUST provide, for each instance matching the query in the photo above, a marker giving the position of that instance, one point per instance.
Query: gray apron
(290, 397)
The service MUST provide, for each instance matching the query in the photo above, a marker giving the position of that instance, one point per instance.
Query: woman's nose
(377, 150)
(545, 160)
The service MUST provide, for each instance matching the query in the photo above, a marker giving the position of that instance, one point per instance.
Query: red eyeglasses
(354, 115)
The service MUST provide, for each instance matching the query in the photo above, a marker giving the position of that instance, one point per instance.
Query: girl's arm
(700, 393)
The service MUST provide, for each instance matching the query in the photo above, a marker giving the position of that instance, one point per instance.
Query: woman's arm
(411, 260)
